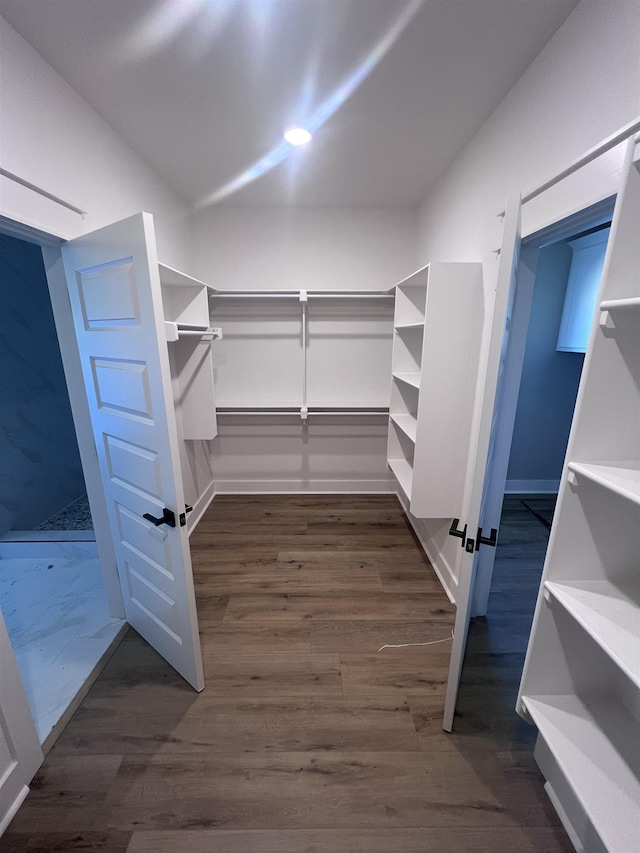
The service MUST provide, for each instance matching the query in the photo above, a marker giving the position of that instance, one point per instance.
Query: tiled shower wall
(40, 470)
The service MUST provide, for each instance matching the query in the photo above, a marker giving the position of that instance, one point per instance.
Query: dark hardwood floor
(307, 737)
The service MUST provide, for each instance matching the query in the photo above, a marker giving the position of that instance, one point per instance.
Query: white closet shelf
(623, 480)
(401, 327)
(412, 379)
(416, 279)
(403, 473)
(594, 765)
(408, 424)
(173, 277)
(609, 614)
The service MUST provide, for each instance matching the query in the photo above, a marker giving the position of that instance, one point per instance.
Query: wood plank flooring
(307, 737)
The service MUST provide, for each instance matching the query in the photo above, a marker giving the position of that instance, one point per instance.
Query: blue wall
(549, 378)
(40, 470)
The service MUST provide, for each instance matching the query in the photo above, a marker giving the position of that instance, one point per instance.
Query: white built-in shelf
(186, 318)
(582, 737)
(416, 279)
(435, 355)
(609, 614)
(403, 472)
(621, 480)
(401, 327)
(581, 679)
(405, 327)
(408, 424)
(174, 278)
(412, 379)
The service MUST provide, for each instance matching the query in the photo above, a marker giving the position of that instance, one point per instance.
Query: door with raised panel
(467, 562)
(116, 301)
(20, 752)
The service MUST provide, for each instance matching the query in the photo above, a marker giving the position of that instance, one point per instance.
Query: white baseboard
(335, 487)
(532, 487)
(442, 568)
(436, 558)
(200, 507)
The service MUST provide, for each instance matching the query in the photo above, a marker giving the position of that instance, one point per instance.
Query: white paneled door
(479, 449)
(116, 301)
(20, 753)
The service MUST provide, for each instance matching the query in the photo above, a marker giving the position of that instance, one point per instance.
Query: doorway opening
(540, 377)
(51, 590)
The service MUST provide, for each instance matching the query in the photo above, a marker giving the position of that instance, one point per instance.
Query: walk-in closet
(319, 467)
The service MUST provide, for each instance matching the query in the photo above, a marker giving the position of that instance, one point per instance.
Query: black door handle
(168, 517)
(483, 540)
(461, 534)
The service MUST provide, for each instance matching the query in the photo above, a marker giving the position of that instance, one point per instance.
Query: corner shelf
(185, 302)
(435, 361)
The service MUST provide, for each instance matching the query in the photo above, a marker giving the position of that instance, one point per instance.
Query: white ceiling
(203, 89)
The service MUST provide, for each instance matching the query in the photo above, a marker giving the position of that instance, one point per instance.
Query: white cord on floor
(404, 645)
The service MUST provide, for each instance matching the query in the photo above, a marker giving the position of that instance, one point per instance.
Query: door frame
(509, 383)
(65, 330)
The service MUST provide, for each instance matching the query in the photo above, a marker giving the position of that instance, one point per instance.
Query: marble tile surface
(37, 543)
(59, 625)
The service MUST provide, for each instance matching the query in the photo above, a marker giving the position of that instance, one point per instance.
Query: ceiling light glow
(297, 136)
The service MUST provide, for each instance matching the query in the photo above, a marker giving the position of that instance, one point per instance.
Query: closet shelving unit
(435, 356)
(581, 680)
(185, 303)
(308, 406)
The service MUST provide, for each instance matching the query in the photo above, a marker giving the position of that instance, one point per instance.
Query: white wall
(236, 248)
(50, 137)
(582, 87)
(309, 249)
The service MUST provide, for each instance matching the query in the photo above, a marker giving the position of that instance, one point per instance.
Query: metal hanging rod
(586, 158)
(174, 331)
(303, 412)
(296, 294)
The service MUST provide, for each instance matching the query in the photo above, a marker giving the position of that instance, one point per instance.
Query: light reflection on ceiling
(314, 119)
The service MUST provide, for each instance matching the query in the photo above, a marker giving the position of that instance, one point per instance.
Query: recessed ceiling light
(297, 136)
